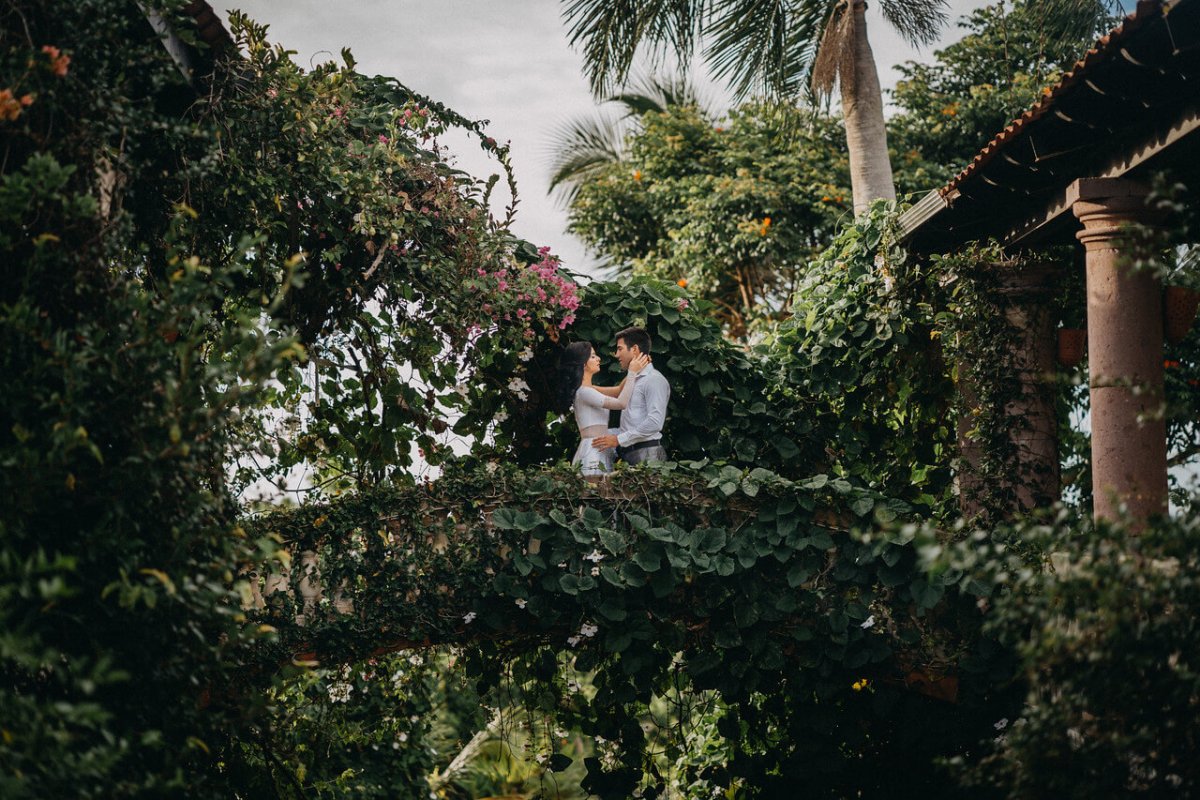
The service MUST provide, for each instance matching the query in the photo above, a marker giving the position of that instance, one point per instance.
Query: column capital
(1107, 207)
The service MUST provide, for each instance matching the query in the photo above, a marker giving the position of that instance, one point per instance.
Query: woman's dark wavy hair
(570, 374)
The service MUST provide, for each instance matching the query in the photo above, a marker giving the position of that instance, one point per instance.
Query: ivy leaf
(569, 584)
(798, 574)
(710, 540)
(815, 482)
(638, 522)
(862, 505)
(633, 574)
(821, 539)
(724, 565)
(649, 559)
(612, 610)
(613, 541)
(727, 637)
(560, 762)
(924, 593)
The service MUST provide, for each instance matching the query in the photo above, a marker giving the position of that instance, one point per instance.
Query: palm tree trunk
(866, 136)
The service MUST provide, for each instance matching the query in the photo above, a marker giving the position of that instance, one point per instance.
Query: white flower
(573, 640)
(588, 629)
(402, 737)
(595, 557)
(469, 617)
(501, 415)
(540, 758)
(869, 622)
(595, 572)
(525, 355)
(340, 692)
(519, 387)
(461, 390)
(490, 467)
(416, 660)
(521, 603)
(1001, 725)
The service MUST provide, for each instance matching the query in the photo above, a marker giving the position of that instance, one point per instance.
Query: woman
(577, 366)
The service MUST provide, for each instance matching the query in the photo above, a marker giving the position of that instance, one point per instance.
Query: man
(639, 438)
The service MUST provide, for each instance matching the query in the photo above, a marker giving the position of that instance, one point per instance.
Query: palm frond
(581, 149)
(918, 21)
(765, 45)
(611, 33)
(1079, 19)
(659, 92)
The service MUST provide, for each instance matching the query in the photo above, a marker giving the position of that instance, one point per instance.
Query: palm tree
(584, 146)
(782, 47)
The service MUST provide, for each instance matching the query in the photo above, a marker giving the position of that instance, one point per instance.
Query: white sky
(506, 61)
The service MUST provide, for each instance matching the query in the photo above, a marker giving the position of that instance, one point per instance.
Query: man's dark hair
(635, 337)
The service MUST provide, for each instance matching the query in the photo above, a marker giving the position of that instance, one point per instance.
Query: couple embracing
(641, 397)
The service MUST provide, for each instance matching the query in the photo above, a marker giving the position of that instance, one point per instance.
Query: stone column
(1034, 431)
(1125, 346)
(1023, 291)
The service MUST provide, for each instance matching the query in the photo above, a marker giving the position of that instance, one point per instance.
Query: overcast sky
(506, 61)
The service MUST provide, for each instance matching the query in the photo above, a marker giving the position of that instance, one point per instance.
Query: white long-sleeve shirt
(643, 420)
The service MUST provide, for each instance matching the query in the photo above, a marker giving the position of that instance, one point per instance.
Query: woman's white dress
(591, 409)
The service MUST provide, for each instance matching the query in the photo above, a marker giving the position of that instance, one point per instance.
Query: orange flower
(58, 61)
(637, 174)
(10, 106)
(766, 223)
(682, 283)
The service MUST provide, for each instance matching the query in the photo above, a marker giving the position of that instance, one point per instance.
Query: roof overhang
(1129, 107)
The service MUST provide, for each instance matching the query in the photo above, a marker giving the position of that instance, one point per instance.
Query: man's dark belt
(624, 451)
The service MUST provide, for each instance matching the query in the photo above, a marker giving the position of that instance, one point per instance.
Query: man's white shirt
(643, 420)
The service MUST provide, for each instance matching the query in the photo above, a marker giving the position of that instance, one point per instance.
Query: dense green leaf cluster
(1103, 622)
(166, 246)
(774, 593)
(862, 341)
(734, 207)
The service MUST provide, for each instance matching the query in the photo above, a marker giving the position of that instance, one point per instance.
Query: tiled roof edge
(1106, 47)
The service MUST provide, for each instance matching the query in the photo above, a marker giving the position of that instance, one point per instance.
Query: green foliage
(772, 590)
(1104, 626)
(862, 341)
(734, 207)
(171, 258)
(284, 266)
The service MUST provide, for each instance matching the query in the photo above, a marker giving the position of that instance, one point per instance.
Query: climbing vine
(732, 580)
